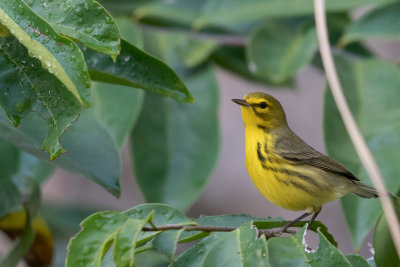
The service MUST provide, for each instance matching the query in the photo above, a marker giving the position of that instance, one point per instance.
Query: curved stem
(359, 143)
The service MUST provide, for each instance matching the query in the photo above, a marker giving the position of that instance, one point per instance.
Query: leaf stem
(359, 143)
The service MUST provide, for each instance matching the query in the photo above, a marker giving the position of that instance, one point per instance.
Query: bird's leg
(284, 228)
(315, 214)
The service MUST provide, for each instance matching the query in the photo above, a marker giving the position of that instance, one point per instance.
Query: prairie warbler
(284, 168)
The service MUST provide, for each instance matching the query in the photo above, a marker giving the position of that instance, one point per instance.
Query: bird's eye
(263, 105)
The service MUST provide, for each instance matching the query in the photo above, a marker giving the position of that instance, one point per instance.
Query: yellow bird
(284, 168)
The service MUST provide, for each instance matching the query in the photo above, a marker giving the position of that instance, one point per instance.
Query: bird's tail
(366, 191)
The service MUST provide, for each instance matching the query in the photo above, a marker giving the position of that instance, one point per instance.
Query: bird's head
(261, 110)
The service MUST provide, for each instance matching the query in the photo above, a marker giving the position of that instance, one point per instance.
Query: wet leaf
(37, 90)
(237, 248)
(92, 242)
(86, 21)
(138, 69)
(108, 123)
(59, 55)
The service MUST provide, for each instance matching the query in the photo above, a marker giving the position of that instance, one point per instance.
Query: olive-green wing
(294, 149)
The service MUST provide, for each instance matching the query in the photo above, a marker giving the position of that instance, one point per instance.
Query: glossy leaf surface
(59, 55)
(86, 21)
(138, 69)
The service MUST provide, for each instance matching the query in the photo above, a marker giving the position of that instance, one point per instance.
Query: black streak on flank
(259, 126)
(295, 174)
(259, 154)
(304, 188)
(265, 148)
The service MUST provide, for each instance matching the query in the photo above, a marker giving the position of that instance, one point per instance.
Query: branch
(359, 143)
(188, 228)
(209, 229)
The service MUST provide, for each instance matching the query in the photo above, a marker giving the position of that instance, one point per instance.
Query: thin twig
(209, 229)
(359, 143)
(189, 228)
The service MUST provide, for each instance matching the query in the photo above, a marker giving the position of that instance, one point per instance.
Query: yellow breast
(289, 185)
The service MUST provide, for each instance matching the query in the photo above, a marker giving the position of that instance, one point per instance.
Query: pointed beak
(241, 102)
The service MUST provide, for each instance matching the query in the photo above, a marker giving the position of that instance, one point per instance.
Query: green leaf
(125, 242)
(138, 69)
(108, 123)
(357, 261)
(327, 255)
(36, 89)
(234, 60)
(17, 96)
(163, 214)
(277, 51)
(237, 248)
(92, 242)
(382, 23)
(130, 31)
(197, 52)
(59, 55)
(288, 251)
(166, 242)
(122, 231)
(86, 21)
(175, 146)
(117, 108)
(108, 259)
(17, 168)
(196, 254)
(378, 117)
(179, 13)
(385, 251)
(151, 258)
(228, 12)
(123, 7)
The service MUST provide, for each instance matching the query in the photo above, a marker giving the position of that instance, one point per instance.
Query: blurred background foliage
(93, 75)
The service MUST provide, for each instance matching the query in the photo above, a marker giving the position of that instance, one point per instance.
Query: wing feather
(294, 149)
